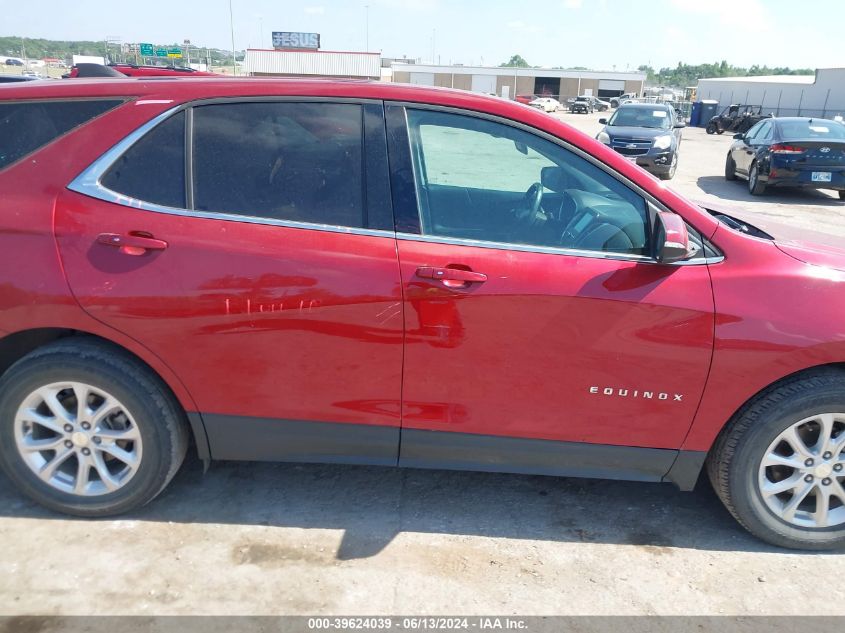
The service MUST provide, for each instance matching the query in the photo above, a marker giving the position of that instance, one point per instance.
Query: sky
(597, 34)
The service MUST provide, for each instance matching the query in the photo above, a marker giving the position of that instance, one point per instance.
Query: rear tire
(755, 187)
(114, 453)
(711, 128)
(747, 487)
(730, 168)
(842, 195)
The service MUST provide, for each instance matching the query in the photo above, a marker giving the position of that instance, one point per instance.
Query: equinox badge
(636, 393)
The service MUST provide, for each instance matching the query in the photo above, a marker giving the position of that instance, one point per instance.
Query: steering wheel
(528, 213)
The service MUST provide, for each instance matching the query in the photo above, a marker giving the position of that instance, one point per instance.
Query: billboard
(287, 39)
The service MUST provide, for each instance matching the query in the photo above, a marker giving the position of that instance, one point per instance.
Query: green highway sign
(161, 52)
(174, 52)
(147, 50)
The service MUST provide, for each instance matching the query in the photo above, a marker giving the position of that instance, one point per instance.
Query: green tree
(516, 61)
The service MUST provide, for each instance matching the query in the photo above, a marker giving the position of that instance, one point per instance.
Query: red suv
(363, 273)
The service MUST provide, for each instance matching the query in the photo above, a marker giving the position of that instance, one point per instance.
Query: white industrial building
(312, 63)
(508, 82)
(819, 95)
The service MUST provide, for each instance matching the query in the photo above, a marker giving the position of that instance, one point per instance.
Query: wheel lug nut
(828, 455)
(68, 443)
(838, 468)
(808, 479)
(826, 481)
(85, 451)
(97, 440)
(809, 462)
(86, 426)
(68, 428)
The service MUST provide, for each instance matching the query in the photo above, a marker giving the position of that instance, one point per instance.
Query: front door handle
(135, 243)
(451, 277)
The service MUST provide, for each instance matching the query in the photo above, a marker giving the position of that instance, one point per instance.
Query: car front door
(260, 265)
(535, 315)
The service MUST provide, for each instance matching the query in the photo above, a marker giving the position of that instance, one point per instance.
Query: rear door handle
(133, 243)
(458, 276)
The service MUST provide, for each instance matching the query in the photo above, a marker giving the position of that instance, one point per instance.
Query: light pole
(367, 10)
(232, 28)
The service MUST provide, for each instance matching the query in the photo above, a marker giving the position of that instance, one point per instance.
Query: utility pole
(232, 28)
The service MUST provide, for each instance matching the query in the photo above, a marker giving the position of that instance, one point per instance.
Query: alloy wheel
(78, 438)
(801, 474)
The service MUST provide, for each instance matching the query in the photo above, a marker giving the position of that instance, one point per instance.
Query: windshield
(821, 129)
(641, 117)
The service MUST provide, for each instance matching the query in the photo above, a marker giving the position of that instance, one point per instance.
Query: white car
(547, 104)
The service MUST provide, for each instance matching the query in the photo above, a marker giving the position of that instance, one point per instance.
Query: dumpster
(709, 109)
(695, 116)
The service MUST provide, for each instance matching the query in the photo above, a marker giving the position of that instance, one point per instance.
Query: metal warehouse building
(820, 95)
(312, 63)
(509, 82)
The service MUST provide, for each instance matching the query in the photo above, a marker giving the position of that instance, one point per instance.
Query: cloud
(315, 10)
(409, 5)
(522, 27)
(572, 4)
(725, 12)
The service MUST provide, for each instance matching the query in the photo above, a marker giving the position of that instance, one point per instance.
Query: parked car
(615, 102)
(87, 70)
(600, 105)
(15, 78)
(581, 104)
(372, 273)
(546, 104)
(526, 99)
(11, 61)
(790, 152)
(736, 118)
(648, 134)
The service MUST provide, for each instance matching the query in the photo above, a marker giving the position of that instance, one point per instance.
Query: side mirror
(602, 121)
(680, 124)
(672, 239)
(739, 137)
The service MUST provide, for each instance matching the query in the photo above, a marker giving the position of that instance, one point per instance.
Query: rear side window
(153, 169)
(28, 126)
(282, 161)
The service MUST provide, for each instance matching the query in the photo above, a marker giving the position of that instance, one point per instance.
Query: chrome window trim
(88, 182)
(550, 250)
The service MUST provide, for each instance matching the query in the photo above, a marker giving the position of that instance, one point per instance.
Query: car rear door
(548, 326)
(260, 265)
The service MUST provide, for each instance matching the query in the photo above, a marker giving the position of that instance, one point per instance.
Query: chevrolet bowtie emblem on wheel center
(636, 393)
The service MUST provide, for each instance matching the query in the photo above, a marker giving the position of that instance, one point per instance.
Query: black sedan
(648, 134)
(790, 152)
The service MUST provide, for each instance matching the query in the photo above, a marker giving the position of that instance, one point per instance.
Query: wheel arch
(16, 345)
(837, 367)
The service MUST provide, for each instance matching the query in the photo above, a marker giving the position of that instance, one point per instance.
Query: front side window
(482, 180)
(283, 161)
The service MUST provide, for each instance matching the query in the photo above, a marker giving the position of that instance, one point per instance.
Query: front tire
(755, 187)
(730, 168)
(711, 128)
(672, 168)
(779, 466)
(88, 430)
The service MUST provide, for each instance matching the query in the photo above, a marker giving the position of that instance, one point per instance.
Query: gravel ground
(301, 539)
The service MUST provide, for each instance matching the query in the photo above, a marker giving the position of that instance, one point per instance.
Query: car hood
(639, 132)
(815, 254)
(805, 245)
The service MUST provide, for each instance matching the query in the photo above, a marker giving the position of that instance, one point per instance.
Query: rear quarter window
(28, 126)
